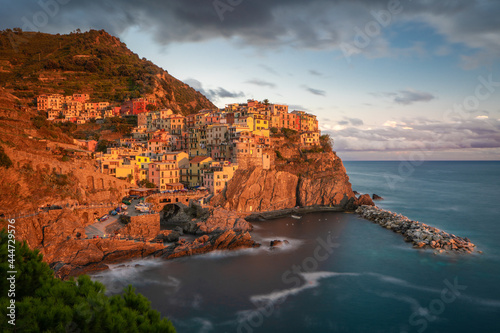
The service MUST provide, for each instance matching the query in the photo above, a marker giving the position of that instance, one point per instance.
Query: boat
(297, 217)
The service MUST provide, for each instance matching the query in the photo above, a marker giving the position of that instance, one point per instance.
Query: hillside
(93, 62)
(40, 165)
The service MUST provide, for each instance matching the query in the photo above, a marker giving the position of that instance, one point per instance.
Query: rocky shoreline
(420, 234)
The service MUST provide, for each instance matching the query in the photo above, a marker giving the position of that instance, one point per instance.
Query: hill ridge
(93, 62)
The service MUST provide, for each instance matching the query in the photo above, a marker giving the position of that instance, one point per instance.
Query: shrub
(47, 304)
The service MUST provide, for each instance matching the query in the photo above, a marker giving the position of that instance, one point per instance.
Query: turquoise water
(344, 274)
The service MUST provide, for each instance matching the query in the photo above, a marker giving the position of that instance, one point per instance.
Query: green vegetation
(146, 183)
(326, 142)
(93, 62)
(102, 146)
(49, 130)
(5, 161)
(46, 304)
(290, 134)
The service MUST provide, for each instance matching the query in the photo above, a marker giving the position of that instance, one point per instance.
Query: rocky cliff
(259, 190)
(301, 179)
(60, 236)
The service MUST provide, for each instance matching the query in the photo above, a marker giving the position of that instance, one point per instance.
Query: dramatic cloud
(315, 91)
(213, 94)
(312, 24)
(261, 83)
(420, 135)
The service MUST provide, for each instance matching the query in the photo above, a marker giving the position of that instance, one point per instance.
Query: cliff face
(315, 179)
(257, 190)
(326, 184)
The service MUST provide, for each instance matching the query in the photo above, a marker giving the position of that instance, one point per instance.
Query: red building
(136, 106)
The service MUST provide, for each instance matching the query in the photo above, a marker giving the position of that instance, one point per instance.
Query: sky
(388, 80)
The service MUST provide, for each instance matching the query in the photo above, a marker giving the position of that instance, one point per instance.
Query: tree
(46, 304)
(326, 142)
(266, 102)
(102, 146)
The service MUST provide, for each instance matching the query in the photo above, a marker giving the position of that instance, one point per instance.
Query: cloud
(407, 97)
(269, 25)
(297, 107)
(310, 24)
(315, 73)
(473, 133)
(355, 121)
(223, 93)
(269, 69)
(213, 94)
(313, 91)
(261, 83)
(351, 121)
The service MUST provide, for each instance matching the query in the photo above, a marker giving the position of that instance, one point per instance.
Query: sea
(340, 273)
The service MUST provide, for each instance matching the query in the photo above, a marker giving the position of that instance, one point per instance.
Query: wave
(198, 324)
(228, 254)
(311, 281)
(402, 283)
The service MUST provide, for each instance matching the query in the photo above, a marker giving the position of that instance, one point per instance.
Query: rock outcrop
(308, 179)
(227, 240)
(76, 257)
(323, 182)
(365, 200)
(220, 220)
(60, 237)
(420, 234)
(257, 190)
(142, 226)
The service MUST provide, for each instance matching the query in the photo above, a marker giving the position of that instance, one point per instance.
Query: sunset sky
(387, 79)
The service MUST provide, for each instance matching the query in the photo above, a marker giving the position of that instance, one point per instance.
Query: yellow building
(260, 125)
(198, 141)
(182, 158)
(216, 177)
(193, 176)
(309, 138)
(124, 171)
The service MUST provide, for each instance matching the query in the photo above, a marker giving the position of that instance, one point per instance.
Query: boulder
(376, 197)
(276, 243)
(365, 200)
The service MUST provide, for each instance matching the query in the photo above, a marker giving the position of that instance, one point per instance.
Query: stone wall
(143, 226)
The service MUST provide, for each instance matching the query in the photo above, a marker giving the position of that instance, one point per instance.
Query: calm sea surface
(344, 274)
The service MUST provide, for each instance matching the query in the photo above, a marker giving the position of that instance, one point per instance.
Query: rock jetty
(420, 234)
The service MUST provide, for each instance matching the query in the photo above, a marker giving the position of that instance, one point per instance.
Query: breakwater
(420, 234)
